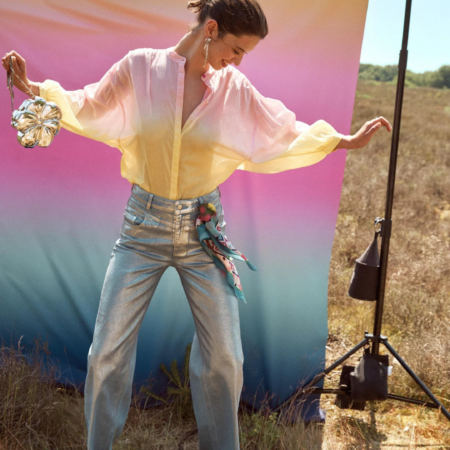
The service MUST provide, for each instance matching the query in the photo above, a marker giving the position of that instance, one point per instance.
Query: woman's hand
(20, 69)
(365, 134)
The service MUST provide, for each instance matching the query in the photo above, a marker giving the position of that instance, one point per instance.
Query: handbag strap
(10, 85)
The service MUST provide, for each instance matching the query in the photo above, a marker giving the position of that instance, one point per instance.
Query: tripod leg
(321, 375)
(417, 379)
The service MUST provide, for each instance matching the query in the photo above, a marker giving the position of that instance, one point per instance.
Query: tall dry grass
(36, 414)
(417, 304)
(417, 308)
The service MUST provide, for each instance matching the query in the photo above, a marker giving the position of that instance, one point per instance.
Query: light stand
(386, 225)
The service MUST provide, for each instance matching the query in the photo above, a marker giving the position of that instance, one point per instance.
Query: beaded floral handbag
(36, 121)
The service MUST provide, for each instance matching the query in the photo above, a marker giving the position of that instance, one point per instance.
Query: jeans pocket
(133, 219)
(134, 215)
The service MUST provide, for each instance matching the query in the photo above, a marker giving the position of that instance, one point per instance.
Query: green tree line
(438, 78)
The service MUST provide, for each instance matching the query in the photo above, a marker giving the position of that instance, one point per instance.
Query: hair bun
(237, 17)
(197, 6)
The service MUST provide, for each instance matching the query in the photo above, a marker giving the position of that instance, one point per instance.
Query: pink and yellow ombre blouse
(137, 107)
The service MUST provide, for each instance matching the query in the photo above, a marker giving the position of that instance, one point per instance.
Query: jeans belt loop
(149, 201)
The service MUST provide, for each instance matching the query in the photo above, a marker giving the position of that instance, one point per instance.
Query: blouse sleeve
(278, 141)
(98, 111)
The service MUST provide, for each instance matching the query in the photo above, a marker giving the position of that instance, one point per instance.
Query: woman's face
(229, 49)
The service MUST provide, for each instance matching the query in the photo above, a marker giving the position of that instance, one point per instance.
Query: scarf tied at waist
(219, 248)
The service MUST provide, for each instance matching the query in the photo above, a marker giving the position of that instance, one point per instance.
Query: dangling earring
(207, 41)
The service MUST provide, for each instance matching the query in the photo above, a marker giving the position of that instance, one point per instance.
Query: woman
(184, 119)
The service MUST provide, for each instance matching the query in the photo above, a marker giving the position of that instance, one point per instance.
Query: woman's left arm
(276, 141)
(365, 134)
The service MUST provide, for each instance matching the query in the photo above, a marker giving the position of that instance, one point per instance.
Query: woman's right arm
(101, 111)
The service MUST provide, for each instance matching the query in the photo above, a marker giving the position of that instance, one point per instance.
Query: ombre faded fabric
(137, 107)
(158, 233)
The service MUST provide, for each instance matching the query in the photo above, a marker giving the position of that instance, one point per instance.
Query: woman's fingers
(19, 67)
(18, 63)
(15, 65)
(374, 128)
(365, 134)
(6, 58)
(380, 120)
(5, 62)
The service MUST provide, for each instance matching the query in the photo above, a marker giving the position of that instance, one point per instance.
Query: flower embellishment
(37, 122)
(207, 210)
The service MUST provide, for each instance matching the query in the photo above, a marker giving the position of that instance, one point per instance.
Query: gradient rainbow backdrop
(61, 208)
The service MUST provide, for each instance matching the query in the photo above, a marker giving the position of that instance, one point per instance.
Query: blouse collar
(181, 60)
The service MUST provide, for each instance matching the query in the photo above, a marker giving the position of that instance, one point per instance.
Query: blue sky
(429, 33)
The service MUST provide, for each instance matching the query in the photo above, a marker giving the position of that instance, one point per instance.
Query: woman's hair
(238, 17)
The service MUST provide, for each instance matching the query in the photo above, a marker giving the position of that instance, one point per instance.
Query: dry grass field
(417, 308)
(39, 416)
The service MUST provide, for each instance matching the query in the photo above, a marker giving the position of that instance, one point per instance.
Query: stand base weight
(309, 388)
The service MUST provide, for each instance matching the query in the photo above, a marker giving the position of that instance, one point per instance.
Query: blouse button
(180, 207)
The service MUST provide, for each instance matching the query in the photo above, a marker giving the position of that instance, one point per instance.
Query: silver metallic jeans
(158, 233)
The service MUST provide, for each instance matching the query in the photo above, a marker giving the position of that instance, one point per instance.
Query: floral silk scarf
(219, 247)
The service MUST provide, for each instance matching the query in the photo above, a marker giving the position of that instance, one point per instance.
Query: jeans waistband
(165, 204)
